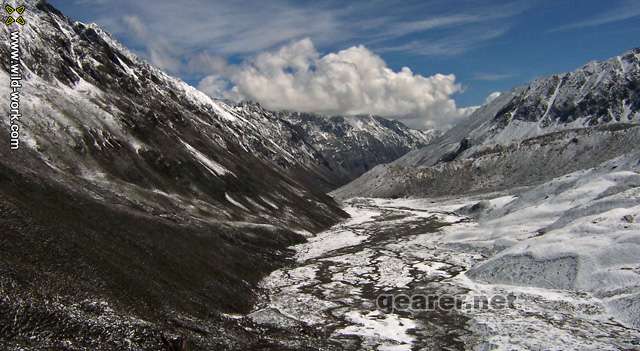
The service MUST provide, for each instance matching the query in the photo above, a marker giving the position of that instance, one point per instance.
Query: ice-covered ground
(577, 233)
(567, 250)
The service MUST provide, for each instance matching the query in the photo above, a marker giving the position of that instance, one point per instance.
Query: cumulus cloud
(349, 82)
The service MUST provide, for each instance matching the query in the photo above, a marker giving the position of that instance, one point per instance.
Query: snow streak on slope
(213, 166)
(331, 151)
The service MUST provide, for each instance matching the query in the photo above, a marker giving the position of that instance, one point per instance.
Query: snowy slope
(95, 113)
(134, 199)
(347, 147)
(578, 232)
(325, 152)
(550, 127)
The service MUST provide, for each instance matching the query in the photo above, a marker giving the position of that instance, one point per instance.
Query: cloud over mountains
(351, 81)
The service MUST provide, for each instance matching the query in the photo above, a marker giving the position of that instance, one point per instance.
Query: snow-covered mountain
(327, 152)
(549, 177)
(97, 116)
(553, 126)
(95, 112)
(347, 147)
(134, 194)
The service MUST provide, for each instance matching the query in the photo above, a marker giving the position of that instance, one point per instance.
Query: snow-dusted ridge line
(552, 126)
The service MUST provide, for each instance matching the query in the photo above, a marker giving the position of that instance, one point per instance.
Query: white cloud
(453, 44)
(626, 10)
(492, 97)
(206, 64)
(409, 27)
(159, 52)
(171, 33)
(349, 82)
(215, 86)
(223, 27)
(492, 77)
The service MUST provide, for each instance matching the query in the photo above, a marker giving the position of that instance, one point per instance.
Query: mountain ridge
(93, 74)
(547, 128)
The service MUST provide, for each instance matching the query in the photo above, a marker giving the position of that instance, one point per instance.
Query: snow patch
(234, 202)
(214, 167)
(380, 329)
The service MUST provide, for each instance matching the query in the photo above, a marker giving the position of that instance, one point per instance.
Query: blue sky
(488, 45)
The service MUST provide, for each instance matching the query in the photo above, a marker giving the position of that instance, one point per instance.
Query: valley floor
(565, 254)
(396, 247)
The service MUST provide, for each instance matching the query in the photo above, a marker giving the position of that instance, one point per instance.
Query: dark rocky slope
(136, 206)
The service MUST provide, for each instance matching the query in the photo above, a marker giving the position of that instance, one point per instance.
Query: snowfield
(577, 233)
(567, 249)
